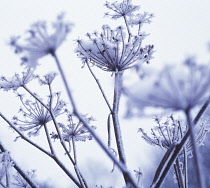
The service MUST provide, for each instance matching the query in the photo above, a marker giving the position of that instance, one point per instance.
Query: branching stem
(86, 124)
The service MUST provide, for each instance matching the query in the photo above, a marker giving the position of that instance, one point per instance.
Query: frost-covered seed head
(16, 81)
(171, 132)
(111, 50)
(42, 40)
(35, 115)
(179, 87)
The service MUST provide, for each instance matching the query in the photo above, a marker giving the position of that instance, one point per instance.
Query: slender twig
(128, 28)
(24, 137)
(80, 176)
(86, 124)
(4, 186)
(100, 87)
(49, 140)
(185, 161)
(78, 173)
(19, 170)
(7, 179)
(195, 151)
(43, 150)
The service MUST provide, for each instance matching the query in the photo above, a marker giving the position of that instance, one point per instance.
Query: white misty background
(179, 29)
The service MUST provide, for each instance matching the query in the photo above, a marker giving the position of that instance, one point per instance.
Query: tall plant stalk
(116, 123)
(120, 165)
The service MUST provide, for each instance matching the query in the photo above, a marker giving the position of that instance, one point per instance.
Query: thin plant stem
(121, 166)
(49, 140)
(114, 111)
(185, 162)
(4, 186)
(24, 137)
(195, 151)
(116, 123)
(80, 176)
(100, 87)
(54, 121)
(19, 170)
(179, 173)
(44, 151)
(161, 176)
(7, 179)
(128, 29)
(78, 173)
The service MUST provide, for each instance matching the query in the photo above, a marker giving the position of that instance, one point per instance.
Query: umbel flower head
(42, 40)
(118, 49)
(35, 115)
(171, 132)
(47, 79)
(111, 51)
(126, 8)
(75, 130)
(179, 87)
(16, 81)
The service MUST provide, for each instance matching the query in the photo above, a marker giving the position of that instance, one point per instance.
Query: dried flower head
(171, 132)
(179, 87)
(36, 115)
(126, 8)
(42, 40)
(112, 51)
(47, 79)
(75, 130)
(16, 81)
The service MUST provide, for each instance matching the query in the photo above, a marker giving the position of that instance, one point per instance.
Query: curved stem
(98, 140)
